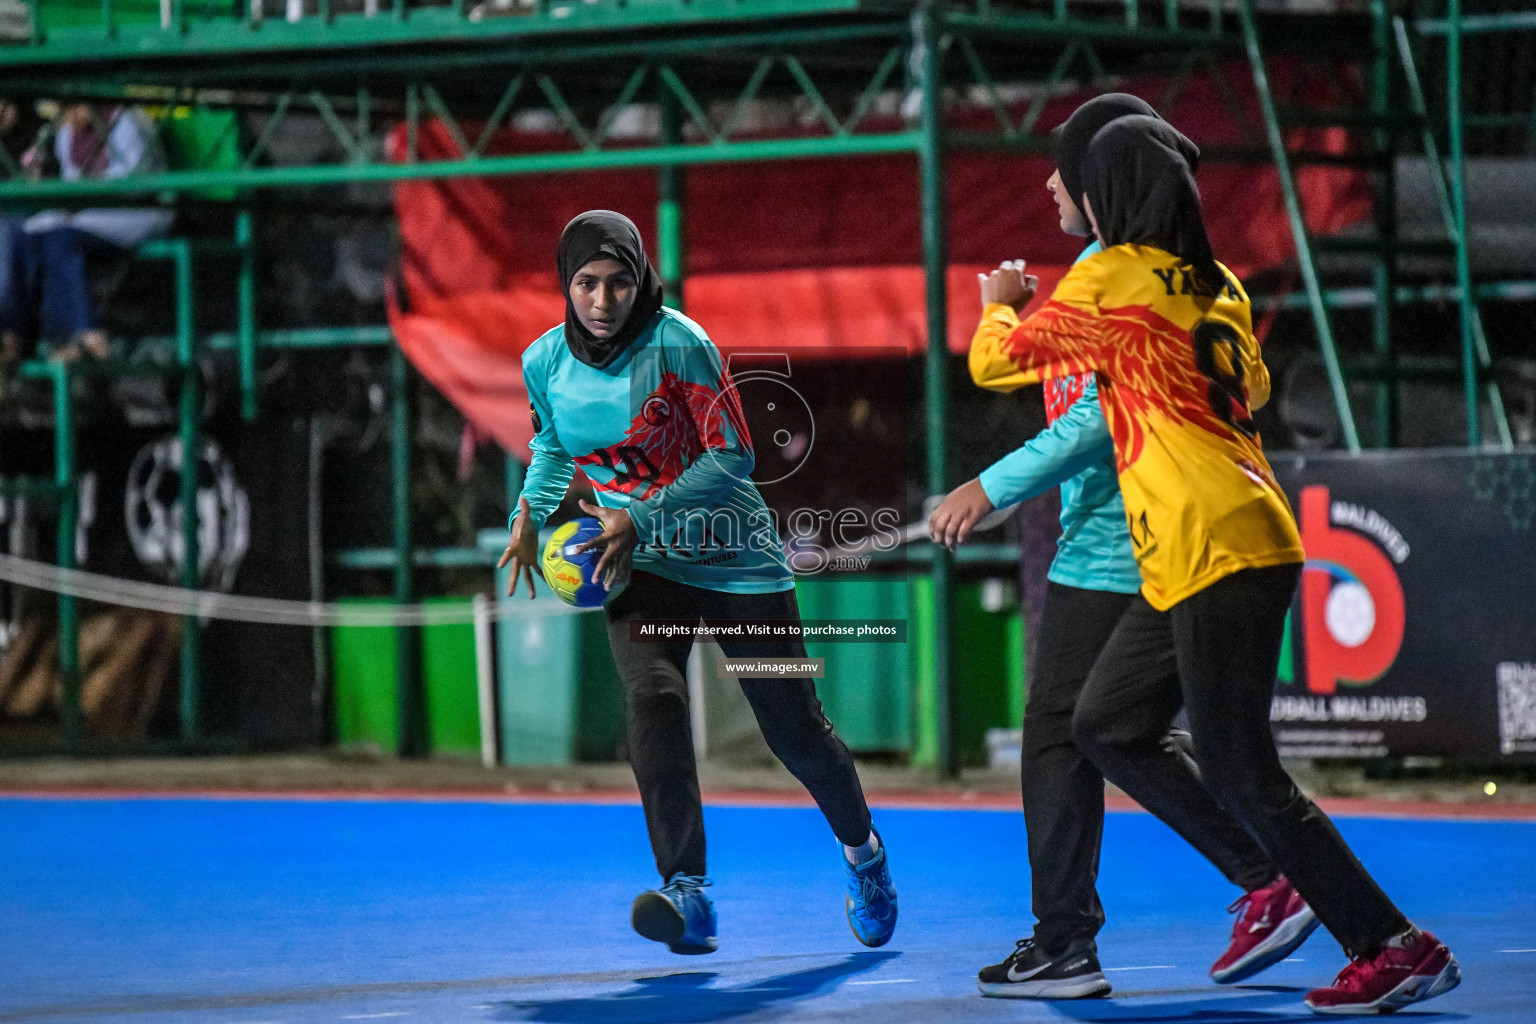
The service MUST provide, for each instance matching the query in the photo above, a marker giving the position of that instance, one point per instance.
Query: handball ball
(570, 575)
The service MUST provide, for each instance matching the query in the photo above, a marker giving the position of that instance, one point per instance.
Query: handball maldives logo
(1351, 598)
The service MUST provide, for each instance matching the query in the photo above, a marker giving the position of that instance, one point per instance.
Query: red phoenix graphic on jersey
(677, 423)
(1061, 393)
(1151, 363)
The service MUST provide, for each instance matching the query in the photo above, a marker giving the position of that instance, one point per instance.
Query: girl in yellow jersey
(1168, 332)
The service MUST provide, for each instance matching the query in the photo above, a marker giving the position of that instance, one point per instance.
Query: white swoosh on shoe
(1015, 975)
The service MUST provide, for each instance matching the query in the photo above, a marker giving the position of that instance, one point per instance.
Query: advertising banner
(258, 680)
(1414, 628)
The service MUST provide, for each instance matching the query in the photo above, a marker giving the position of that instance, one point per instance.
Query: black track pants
(1226, 642)
(1063, 788)
(660, 736)
(1228, 638)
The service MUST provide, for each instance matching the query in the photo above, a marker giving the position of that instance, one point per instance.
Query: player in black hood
(1140, 188)
(1069, 148)
(594, 235)
(1090, 598)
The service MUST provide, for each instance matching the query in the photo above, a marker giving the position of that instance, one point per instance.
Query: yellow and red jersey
(1179, 371)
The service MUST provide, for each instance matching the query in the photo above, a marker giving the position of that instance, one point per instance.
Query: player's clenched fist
(1008, 285)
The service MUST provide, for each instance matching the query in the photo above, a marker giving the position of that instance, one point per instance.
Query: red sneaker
(1271, 923)
(1390, 980)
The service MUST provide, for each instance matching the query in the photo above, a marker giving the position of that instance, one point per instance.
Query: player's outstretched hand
(958, 514)
(617, 540)
(522, 550)
(1008, 285)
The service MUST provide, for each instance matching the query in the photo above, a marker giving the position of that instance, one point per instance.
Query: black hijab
(1142, 191)
(1070, 139)
(603, 234)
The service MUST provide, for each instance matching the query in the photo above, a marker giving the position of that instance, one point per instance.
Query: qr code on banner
(1517, 707)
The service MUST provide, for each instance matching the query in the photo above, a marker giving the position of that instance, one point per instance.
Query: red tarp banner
(820, 255)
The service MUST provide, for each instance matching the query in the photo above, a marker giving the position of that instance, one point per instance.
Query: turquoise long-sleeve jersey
(658, 431)
(1076, 452)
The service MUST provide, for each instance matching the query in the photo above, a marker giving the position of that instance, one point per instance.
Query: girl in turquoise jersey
(636, 394)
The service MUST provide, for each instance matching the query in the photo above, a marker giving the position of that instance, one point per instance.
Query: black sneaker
(1031, 973)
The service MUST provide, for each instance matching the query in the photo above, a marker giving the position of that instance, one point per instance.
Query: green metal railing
(1477, 360)
(1475, 24)
(69, 516)
(1299, 232)
(125, 31)
(412, 731)
(180, 252)
(357, 94)
(1392, 53)
(62, 32)
(677, 66)
(62, 489)
(927, 31)
(523, 163)
(246, 340)
(357, 73)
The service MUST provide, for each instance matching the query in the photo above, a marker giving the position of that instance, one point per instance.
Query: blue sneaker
(871, 898)
(678, 914)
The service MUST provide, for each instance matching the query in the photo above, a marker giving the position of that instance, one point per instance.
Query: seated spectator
(17, 132)
(51, 257)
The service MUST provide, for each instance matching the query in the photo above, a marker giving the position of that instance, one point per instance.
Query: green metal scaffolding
(1393, 73)
(580, 64)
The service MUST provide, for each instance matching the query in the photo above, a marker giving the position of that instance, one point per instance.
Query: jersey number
(1225, 392)
(628, 464)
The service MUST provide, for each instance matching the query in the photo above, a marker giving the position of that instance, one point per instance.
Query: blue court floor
(298, 911)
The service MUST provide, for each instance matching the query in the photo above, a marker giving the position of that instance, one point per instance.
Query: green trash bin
(363, 668)
(450, 683)
(867, 692)
(989, 670)
(559, 699)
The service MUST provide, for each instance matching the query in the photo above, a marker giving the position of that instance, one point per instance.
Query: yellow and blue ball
(572, 575)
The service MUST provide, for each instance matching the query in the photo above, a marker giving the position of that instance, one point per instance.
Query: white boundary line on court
(1152, 967)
